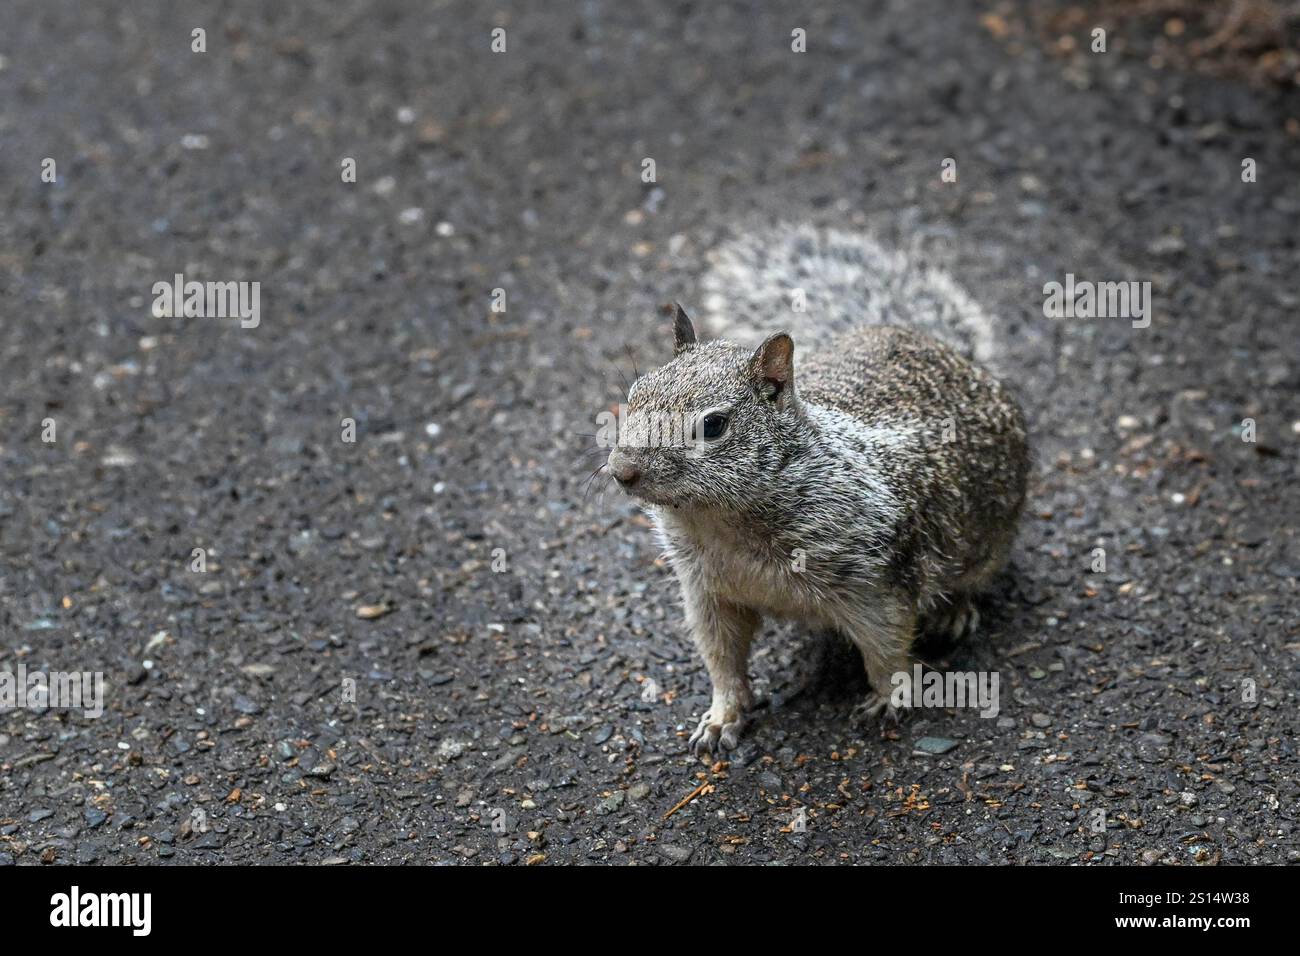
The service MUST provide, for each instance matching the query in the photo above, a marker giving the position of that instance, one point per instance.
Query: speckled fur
(874, 490)
(848, 278)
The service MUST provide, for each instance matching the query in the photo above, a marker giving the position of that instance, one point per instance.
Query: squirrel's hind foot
(956, 622)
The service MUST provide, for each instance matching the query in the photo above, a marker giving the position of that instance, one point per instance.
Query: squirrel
(873, 493)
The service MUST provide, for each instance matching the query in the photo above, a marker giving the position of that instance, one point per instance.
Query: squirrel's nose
(622, 468)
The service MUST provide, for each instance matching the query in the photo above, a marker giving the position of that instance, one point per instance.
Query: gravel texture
(498, 625)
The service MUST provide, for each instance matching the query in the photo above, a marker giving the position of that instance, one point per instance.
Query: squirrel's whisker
(627, 386)
(586, 456)
(590, 478)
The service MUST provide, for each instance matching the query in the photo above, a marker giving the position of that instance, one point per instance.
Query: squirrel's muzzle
(624, 470)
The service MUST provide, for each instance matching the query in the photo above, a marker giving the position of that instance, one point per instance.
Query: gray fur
(848, 280)
(870, 487)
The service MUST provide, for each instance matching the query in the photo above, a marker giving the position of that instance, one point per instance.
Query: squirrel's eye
(713, 426)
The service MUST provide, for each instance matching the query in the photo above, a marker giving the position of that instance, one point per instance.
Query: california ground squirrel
(873, 494)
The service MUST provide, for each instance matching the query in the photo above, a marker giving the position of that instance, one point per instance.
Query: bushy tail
(759, 281)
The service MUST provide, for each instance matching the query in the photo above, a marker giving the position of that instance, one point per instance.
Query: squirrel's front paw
(878, 706)
(713, 737)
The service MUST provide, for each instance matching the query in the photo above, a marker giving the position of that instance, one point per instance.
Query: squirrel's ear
(773, 365)
(683, 330)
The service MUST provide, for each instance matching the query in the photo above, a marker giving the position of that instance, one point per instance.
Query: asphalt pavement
(436, 643)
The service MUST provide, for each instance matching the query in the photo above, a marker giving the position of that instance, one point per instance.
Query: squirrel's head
(707, 429)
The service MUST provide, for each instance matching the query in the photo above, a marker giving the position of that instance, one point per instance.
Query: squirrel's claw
(878, 706)
(711, 739)
(964, 623)
(956, 623)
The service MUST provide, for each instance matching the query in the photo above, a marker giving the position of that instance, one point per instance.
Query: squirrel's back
(885, 371)
(961, 462)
